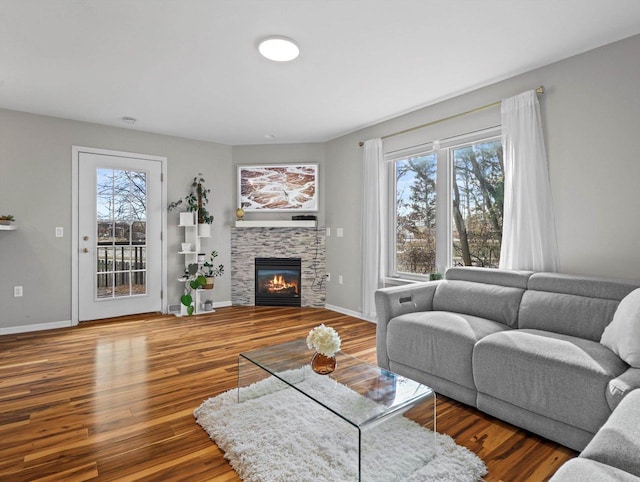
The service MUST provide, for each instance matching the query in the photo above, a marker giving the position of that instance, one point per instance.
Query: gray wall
(35, 186)
(591, 114)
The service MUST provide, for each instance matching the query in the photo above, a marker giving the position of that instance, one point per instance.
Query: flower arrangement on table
(326, 342)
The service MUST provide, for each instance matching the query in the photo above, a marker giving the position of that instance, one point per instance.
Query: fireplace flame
(278, 283)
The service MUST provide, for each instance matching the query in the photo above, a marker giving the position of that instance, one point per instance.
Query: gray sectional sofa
(521, 346)
(614, 453)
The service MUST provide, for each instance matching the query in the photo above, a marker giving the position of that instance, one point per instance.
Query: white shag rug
(281, 435)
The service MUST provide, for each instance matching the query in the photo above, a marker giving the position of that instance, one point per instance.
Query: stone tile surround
(308, 244)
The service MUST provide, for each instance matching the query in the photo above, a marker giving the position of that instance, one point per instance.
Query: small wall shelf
(276, 224)
(8, 227)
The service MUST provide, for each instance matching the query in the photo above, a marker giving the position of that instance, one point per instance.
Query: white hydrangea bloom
(324, 340)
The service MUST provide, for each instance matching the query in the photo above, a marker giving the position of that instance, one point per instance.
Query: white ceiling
(190, 68)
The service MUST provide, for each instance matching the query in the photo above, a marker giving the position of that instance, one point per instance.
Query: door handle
(85, 250)
(85, 238)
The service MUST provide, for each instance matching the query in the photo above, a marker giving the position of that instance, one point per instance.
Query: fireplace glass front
(278, 281)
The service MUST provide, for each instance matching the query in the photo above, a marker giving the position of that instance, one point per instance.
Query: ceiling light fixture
(278, 49)
(129, 120)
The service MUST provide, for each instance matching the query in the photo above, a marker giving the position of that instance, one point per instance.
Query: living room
(590, 111)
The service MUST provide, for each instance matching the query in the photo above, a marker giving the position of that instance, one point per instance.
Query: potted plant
(193, 281)
(210, 272)
(6, 219)
(196, 201)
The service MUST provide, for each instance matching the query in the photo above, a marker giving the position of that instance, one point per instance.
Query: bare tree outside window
(121, 214)
(416, 214)
(478, 204)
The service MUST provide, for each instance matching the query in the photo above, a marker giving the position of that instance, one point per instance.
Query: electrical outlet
(59, 232)
(17, 291)
(328, 277)
(340, 279)
(328, 232)
(339, 232)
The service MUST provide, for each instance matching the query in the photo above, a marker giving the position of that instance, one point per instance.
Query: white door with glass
(119, 236)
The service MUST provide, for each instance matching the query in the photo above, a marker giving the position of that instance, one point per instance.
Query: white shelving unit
(193, 237)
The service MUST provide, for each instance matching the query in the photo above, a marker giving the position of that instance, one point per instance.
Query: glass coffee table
(385, 395)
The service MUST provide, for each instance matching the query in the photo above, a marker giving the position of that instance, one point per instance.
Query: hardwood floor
(114, 400)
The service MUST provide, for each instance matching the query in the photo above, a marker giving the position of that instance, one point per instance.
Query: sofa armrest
(586, 470)
(396, 301)
(617, 443)
(620, 386)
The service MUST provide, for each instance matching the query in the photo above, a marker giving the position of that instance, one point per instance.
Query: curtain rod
(539, 90)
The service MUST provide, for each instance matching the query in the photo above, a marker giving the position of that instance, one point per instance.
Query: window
(477, 197)
(415, 214)
(461, 187)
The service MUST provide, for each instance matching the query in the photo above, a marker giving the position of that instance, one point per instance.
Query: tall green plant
(196, 200)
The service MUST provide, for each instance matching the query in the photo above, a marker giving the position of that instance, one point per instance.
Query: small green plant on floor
(194, 281)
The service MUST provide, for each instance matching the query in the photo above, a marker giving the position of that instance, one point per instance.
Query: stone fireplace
(304, 245)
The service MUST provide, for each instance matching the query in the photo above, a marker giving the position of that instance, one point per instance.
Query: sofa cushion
(573, 305)
(585, 470)
(492, 276)
(493, 302)
(439, 343)
(622, 335)
(587, 286)
(567, 314)
(617, 443)
(561, 377)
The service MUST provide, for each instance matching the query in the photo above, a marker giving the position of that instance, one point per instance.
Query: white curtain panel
(528, 232)
(371, 225)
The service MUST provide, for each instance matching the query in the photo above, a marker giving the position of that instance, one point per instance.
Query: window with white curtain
(446, 204)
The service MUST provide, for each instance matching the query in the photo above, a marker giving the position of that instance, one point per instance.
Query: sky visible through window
(121, 195)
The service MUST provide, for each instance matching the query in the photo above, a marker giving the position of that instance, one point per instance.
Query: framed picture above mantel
(278, 187)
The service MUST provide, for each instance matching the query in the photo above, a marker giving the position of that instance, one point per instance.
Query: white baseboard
(12, 330)
(345, 311)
